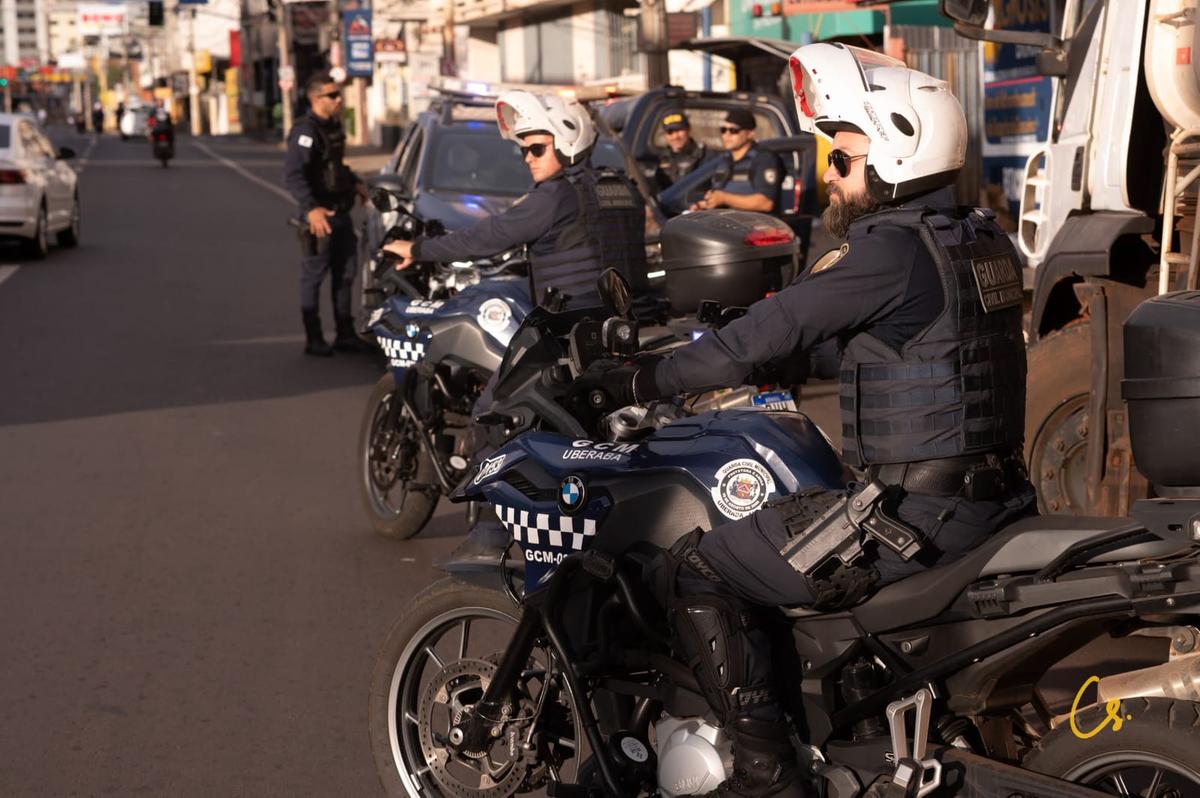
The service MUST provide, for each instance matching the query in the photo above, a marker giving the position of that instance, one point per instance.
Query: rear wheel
(397, 477)
(38, 247)
(1154, 754)
(70, 236)
(1056, 419)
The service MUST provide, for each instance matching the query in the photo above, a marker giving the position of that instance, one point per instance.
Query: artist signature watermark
(1112, 713)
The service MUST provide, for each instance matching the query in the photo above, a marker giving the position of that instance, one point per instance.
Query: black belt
(976, 477)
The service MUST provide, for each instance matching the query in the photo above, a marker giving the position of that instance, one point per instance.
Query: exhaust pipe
(1178, 678)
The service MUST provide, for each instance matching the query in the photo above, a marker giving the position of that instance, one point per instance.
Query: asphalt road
(192, 596)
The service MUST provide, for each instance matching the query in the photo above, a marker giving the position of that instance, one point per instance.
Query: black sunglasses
(730, 131)
(840, 161)
(538, 150)
(333, 95)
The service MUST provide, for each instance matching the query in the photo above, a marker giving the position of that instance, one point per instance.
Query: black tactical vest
(676, 165)
(958, 387)
(332, 181)
(609, 232)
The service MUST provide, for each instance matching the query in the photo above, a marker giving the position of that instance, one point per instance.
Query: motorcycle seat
(1022, 547)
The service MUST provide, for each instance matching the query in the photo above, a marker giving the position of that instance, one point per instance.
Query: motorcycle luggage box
(732, 257)
(1162, 388)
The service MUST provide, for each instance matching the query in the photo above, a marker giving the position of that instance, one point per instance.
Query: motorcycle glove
(624, 383)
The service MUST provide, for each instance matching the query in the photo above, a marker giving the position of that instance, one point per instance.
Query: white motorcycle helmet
(522, 112)
(917, 128)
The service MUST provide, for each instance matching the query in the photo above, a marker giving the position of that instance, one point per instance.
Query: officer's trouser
(740, 569)
(335, 255)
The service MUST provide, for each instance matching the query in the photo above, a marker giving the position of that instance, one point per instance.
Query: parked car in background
(39, 194)
(135, 122)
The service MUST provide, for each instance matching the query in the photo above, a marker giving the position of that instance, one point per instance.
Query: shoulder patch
(771, 175)
(304, 140)
(830, 259)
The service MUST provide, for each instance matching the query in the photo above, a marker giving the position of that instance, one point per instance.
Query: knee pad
(714, 634)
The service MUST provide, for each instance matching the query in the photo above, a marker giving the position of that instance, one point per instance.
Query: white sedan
(38, 190)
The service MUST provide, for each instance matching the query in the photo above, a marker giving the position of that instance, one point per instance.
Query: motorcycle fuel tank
(558, 495)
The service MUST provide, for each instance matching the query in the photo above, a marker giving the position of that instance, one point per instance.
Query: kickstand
(915, 776)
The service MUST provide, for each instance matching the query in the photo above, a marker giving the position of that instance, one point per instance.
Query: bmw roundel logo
(572, 494)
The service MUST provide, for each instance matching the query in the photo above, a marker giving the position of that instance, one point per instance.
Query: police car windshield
(475, 160)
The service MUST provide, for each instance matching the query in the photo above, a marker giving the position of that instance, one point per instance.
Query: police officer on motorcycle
(923, 304)
(325, 189)
(576, 221)
(748, 178)
(684, 153)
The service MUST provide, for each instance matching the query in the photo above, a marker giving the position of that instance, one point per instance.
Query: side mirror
(614, 292)
(387, 191)
(65, 153)
(968, 12)
(384, 200)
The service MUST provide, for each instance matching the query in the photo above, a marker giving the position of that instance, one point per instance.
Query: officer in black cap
(932, 397)
(748, 177)
(684, 153)
(325, 190)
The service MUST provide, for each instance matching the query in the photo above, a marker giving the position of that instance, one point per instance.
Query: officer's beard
(839, 215)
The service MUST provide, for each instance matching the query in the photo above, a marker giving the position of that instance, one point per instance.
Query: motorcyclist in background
(576, 222)
(160, 121)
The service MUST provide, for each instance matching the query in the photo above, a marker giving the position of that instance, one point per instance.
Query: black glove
(624, 383)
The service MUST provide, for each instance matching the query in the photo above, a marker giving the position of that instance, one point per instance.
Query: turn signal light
(9, 176)
(776, 9)
(756, 10)
(764, 236)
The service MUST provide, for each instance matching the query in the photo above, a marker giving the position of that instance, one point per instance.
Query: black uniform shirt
(674, 165)
(757, 172)
(305, 163)
(886, 283)
(536, 219)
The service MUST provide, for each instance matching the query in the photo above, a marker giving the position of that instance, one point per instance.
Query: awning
(739, 48)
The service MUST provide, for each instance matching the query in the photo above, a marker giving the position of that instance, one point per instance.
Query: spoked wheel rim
(391, 458)
(442, 671)
(1137, 774)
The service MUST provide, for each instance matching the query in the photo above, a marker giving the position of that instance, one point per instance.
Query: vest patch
(999, 282)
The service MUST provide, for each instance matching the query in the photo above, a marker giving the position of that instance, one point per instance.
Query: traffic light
(156, 13)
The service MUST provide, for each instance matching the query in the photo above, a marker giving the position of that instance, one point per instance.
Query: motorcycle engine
(693, 756)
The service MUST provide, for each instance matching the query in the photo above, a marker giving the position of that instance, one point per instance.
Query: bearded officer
(684, 154)
(748, 177)
(932, 394)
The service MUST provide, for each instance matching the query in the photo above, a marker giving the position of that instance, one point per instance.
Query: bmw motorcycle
(443, 330)
(555, 670)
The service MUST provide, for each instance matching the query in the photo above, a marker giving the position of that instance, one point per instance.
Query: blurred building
(24, 32)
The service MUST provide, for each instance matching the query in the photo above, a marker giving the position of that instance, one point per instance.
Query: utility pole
(653, 41)
(193, 87)
(287, 75)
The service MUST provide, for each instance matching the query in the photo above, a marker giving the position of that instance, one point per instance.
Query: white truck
(1108, 217)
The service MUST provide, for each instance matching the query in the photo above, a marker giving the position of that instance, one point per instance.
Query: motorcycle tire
(406, 518)
(1159, 736)
(447, 603)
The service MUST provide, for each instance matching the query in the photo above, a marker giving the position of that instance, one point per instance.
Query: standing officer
(576, 222)
(749, 178)
(325, 189)
(933, 394)
(684, 153)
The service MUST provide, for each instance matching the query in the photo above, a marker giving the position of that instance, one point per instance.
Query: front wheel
(1154, 754)
(437, 661)
(396, 475)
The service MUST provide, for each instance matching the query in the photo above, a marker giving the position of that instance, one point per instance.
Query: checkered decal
(546, 529)
(402, 353)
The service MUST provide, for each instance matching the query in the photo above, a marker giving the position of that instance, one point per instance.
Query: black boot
(764, 762)
(347, 340)
(314, 343)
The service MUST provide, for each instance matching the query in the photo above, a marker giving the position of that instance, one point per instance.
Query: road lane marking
(7, 271)
(265, 339)
(82, 161)
(253, 178)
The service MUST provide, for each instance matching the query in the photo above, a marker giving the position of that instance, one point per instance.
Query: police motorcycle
(555, 671)
(443, 329)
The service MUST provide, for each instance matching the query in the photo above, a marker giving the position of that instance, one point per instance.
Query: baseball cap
(676, 120)
(742, 118)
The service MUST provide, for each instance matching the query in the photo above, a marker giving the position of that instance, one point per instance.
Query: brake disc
(497, 768)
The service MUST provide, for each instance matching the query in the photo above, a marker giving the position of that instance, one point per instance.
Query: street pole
(193, 88)
(654, 43)
(285, 62)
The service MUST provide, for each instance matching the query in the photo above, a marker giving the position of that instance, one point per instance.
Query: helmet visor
(808, 101)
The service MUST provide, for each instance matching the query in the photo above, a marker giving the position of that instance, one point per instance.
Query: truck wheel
(1056, 419)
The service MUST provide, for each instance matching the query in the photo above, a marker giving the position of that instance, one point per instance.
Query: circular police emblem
(494, 315)
(770, 175)
(571, 494)
(742, 487)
